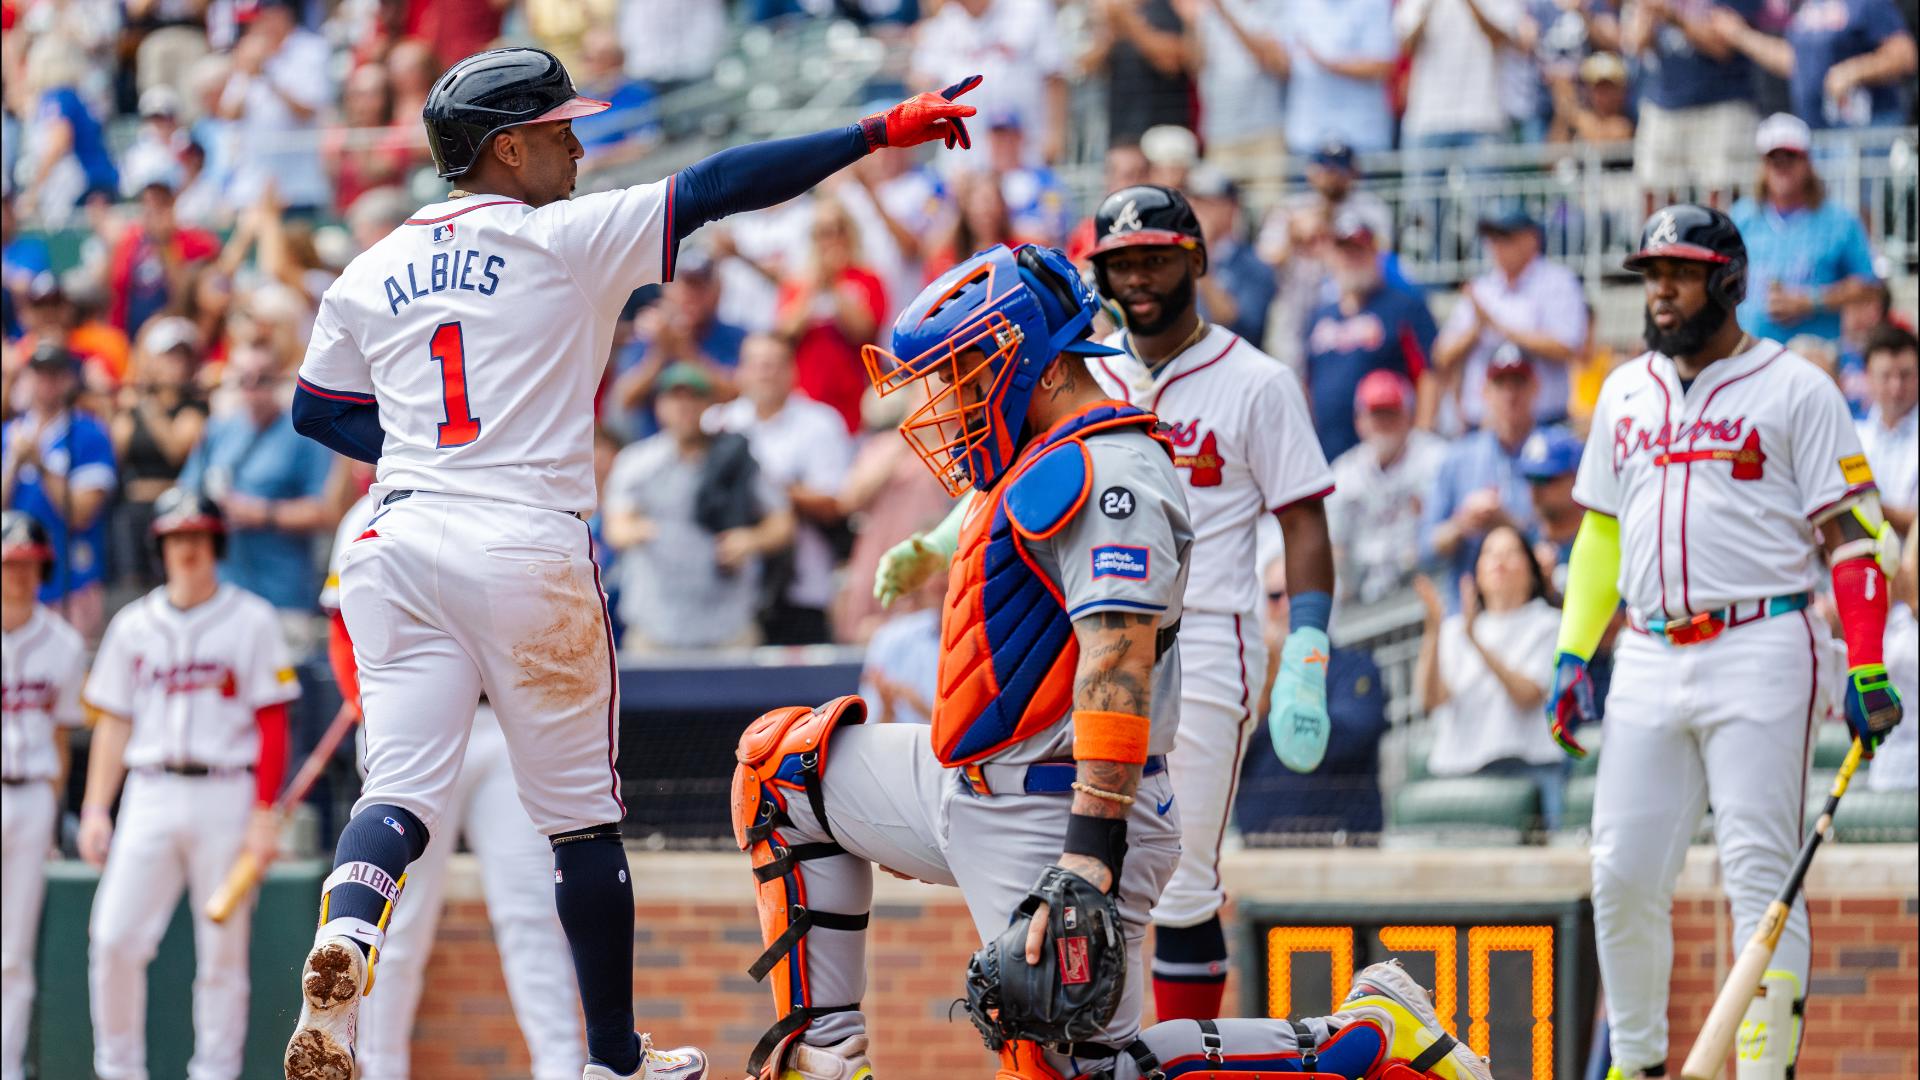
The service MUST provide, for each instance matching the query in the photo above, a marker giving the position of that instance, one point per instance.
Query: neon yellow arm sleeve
(1593, 585)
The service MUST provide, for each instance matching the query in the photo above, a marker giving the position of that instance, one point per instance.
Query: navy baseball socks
(369, 868)
(1189, 971)
(593, 893)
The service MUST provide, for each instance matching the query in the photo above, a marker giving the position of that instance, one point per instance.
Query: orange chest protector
(1007, 652)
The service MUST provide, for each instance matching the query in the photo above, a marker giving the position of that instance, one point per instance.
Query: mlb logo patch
(443, 233)
(1073, 961)
(1121, 561)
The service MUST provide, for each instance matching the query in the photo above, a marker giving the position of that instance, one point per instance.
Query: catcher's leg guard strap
(772, 1046)
(1432, 1055)
(799, 921)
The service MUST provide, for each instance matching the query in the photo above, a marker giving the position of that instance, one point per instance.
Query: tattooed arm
(1115, 675)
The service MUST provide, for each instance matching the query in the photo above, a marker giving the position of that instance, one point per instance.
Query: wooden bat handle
(239, 883)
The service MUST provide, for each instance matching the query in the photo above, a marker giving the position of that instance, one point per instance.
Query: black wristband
(1100, 837)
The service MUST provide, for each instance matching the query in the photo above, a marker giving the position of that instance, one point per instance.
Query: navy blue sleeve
(346, 423)
(759, 175)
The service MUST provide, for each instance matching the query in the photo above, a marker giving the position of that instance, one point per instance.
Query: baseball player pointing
(461, 353)
(1721, 473)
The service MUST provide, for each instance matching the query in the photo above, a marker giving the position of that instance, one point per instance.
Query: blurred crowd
(185, 178)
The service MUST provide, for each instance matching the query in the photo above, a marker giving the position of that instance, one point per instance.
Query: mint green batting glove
(1297, 716)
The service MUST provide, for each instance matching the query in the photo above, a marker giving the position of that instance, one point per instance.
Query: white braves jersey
(1243, 439)
(352, 524)
(1719, 487)
(42, 666)
(191, 681)
(481, 327)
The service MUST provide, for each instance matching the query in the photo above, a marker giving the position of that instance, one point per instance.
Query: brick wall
(692, 953)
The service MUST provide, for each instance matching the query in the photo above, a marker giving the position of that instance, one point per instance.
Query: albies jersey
(481, 327)
(42, 665)
(1719, 486)
(1244, 442)
(191, 681)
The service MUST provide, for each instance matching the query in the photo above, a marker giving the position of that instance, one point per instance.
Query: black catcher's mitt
(1069, 996)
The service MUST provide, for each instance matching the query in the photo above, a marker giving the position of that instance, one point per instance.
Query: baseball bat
(247, 869)
(1709, 1053)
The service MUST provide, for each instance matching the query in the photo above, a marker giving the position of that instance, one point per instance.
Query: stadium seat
(1870, 817)
(1830, 745)
(1492, 810)
(1578, 813)
(1419, 747)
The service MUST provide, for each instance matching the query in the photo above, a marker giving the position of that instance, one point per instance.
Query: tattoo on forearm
(1116, 662)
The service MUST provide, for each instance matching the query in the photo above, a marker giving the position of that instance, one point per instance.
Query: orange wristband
(1110, 736)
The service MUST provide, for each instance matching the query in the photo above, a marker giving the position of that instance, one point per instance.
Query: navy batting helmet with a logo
(1697, 234)
(489, 92)
(1145, 215)
(180, 510)
(23, 539)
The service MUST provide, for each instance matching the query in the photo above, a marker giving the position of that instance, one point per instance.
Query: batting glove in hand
(1873, 705)
(1570, 702)
(905, 567)
(1297, 715)
(923, 118)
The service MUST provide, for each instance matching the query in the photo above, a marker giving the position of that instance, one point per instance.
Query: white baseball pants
(516, 873)
(446, 596)
(173, 833)
(891, 803)
(1727, 723)
(1223, 661)
(28, 815)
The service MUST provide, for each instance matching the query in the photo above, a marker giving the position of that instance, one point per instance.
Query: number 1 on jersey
(450, 351)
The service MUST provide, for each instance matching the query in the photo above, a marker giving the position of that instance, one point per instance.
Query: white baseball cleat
(1385, 993)
(680, 1063)
(331, 983)
(844, 1060)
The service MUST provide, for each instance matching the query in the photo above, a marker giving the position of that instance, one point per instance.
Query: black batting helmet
(23, 539)
(1145, 215)
(488, 92)
(180, 510)
(1697, 234)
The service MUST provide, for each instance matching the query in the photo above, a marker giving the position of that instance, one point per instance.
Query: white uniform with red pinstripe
(482, 326)
(1244, 442)
(1719, 489)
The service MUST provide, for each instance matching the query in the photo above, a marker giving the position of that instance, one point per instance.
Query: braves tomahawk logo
(1665, 230)
(1206, 468)
(1739, 444)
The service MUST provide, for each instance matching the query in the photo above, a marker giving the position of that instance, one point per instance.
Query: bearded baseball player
(1244, 443)
(190, 691)
(1721, 473)
(514, 861)
(43, 661)
(461, 353)
(1041, 788)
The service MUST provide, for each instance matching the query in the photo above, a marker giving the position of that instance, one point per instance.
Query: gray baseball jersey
(1125, 550)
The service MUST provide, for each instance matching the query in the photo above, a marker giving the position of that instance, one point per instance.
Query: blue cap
(1511, 218)
(1334, 155)
(1549, 454)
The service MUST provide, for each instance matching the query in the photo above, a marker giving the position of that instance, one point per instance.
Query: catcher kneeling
(1041, 789)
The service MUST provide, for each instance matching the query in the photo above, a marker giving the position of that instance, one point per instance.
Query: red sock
(1187, 1000)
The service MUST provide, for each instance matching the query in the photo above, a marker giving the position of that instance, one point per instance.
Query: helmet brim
(1089, 347)
(1689, 252)
(572, 110)
(1145, 238)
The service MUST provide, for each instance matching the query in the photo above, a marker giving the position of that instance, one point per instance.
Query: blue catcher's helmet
(985, 329)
